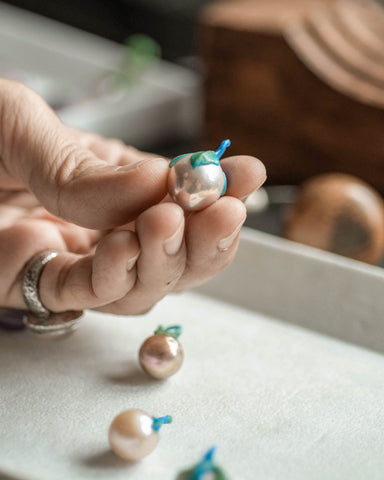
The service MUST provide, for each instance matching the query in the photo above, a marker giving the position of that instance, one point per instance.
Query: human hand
(122, 244)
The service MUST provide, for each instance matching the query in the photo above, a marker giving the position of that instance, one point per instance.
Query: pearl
(195, 189)
(133, 434)
(339, 213)
(161, 356)
(196, 180)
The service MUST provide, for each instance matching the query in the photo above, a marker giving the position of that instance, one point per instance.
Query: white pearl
(195, 188)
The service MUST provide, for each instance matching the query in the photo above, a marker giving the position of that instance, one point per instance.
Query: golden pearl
(339, 213)
(132, 434)
(161, 356)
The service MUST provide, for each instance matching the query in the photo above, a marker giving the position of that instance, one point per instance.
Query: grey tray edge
(305, 286)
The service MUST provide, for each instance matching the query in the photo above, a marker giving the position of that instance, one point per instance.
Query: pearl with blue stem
(196, 180)
(133, 434)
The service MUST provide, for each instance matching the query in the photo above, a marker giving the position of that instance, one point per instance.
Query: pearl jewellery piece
(161, 355)
(196, 180)
(204, 470)
(133, 434)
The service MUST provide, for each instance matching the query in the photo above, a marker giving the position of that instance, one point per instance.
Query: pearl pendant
(133, 434)
(161, 355)
(204, 470)
(196, 180)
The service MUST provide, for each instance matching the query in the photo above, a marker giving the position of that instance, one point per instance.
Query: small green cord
(173, 331)
(206, 465)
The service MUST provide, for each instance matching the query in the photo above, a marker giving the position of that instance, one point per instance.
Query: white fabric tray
(278, 401)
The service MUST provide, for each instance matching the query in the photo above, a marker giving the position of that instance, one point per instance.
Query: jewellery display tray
(71, 69)
(283, 372)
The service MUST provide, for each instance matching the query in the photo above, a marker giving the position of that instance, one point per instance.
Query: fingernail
(225, 243)
(132, 261)
(172, 244)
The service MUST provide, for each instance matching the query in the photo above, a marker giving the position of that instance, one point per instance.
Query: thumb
(38, 152)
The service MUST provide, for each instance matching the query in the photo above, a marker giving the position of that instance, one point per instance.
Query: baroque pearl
(133, 434)
(161, 355)
(196, 180)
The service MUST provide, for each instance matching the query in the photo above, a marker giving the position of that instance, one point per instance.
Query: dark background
(170, 22)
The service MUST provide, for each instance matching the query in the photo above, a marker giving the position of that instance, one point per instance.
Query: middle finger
(162, 261)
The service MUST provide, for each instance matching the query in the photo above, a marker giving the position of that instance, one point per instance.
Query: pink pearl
(161, 356)
(131, 435)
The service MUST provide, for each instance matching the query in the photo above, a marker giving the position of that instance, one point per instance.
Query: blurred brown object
(297, 83)
(338, 213)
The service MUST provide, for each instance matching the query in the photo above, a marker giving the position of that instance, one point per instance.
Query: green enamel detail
(173, 331)
(206, 465)
(207, 157)
(198, 159)
(191, 474)
(204, 158)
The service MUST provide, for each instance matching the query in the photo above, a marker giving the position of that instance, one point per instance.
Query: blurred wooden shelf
(299, 84)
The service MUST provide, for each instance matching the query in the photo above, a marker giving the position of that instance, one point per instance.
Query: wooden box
(299, 84)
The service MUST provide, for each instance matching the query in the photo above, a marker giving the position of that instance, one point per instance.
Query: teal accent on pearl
(207, 157)
(172, 162)
(225, 185)
(174, 331)
(224, 145)
(206, 465)
(160, 421)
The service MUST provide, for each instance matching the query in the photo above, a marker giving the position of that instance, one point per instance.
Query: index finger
(245, 174)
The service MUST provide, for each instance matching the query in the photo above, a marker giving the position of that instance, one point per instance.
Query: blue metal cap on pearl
(196, 180)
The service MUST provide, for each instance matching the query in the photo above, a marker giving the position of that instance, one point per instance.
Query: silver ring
(30, 286)
(56, 325)
(39, 319)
